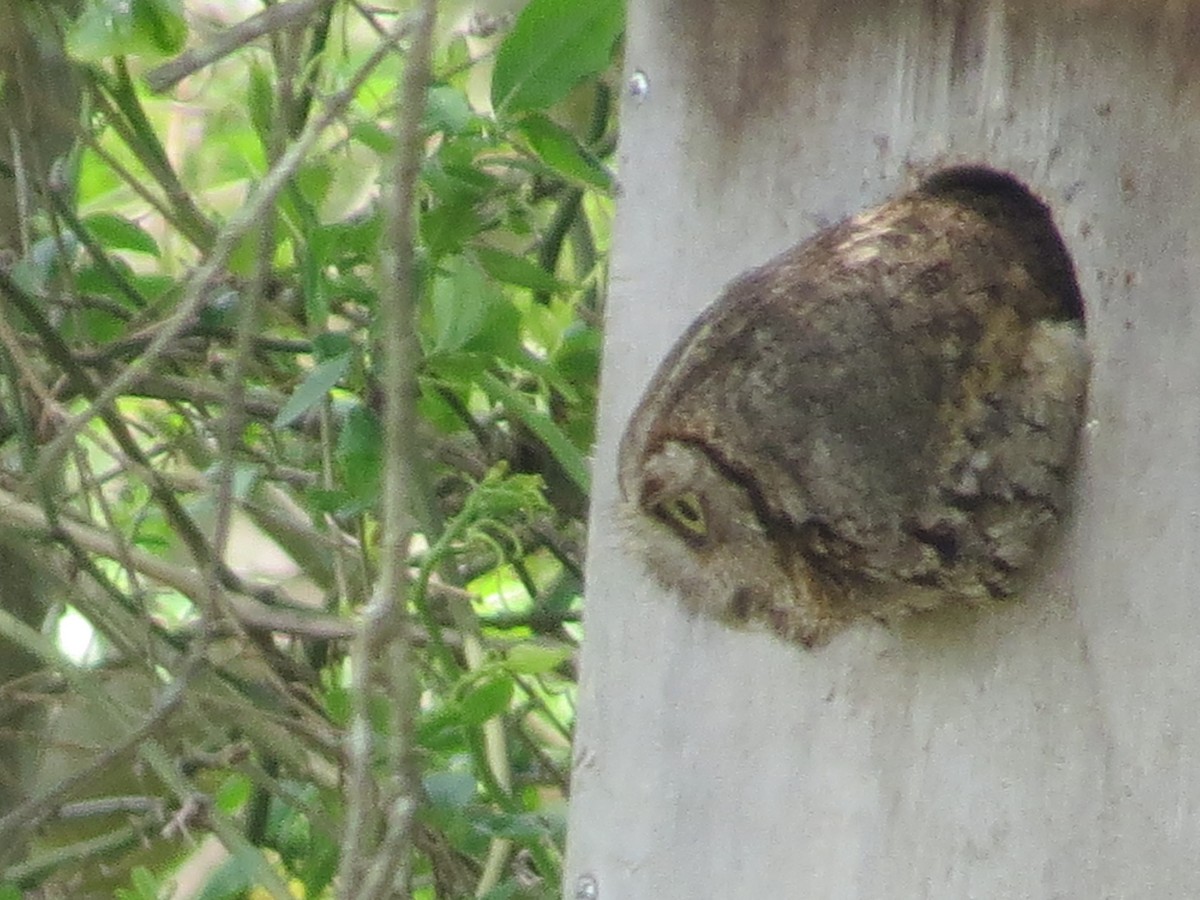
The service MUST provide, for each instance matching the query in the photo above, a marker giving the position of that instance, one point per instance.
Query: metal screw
(639, 85)
(586, 888)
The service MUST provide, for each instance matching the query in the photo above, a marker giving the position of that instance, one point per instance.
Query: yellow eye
(684, 513)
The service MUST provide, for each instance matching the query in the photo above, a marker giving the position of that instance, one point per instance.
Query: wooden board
(1047, 748)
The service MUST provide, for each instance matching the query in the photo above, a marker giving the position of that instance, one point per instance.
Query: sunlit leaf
(554, 45)
(534, 659)
(145, 883)
(233, 793)
(107, 28)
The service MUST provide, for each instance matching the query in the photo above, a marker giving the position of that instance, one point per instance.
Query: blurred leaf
(440, 728)
(291, 831)
(373, 137)
(567, 455)
(459, 304)
(107, 28)
(313, 389)
(228, 881)
(577, 357)
(115, 232)
(519, 270)
(447, 109)
(337, 704)
(453, 790)
(521, 827)
(314, 181)
(554, 45)
(347, 242)
(500, 495)
(558, 149)
(233, 793)
(486, 698)
(145, 885)
(447, 226)
(455, 183)
(330, 344)
(260, 102)
(534, 659)
(360, 454)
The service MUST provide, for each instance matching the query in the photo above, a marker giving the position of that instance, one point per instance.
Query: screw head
(586, 887)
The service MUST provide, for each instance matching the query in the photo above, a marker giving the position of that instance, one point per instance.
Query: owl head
(697, 528)
(883, 418)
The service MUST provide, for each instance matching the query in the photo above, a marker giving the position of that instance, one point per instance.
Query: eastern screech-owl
(883, 418)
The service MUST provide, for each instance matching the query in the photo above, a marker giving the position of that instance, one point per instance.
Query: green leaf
(313, 389)
(373, 137)
(485, 699)
(447, 109)
(452, 181)
(577, 358)
(146, 884)
(107, 28)
(554, 45)
(448, 226)
(330, 344)
(438, 729)
(260, 100)
(459, 304)
(119, 233)
(569, 456)
(314, 180)
(450, 790)
(522, 827)
(558, 149)
(519, 270)
(360, 454)
(346, 243)
(534, 659)
(229, 880)
(234, 792)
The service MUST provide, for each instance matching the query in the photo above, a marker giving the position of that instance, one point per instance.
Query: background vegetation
(298, 354)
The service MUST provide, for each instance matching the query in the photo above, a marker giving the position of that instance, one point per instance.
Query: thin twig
(259, 204)
(231, 38)
(247, 606)
(31, 812)
(380, 653)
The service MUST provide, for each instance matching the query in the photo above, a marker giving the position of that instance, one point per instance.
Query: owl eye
(684, 513)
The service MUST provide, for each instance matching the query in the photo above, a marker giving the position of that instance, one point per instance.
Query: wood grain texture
(1044, 749)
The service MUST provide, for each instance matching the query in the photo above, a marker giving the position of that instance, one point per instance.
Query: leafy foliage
(190, 411)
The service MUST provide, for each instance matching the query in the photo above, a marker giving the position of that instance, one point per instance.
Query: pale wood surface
(1048, 748)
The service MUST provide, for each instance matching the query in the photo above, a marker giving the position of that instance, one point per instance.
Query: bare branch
(380, 810)
(232, 38)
